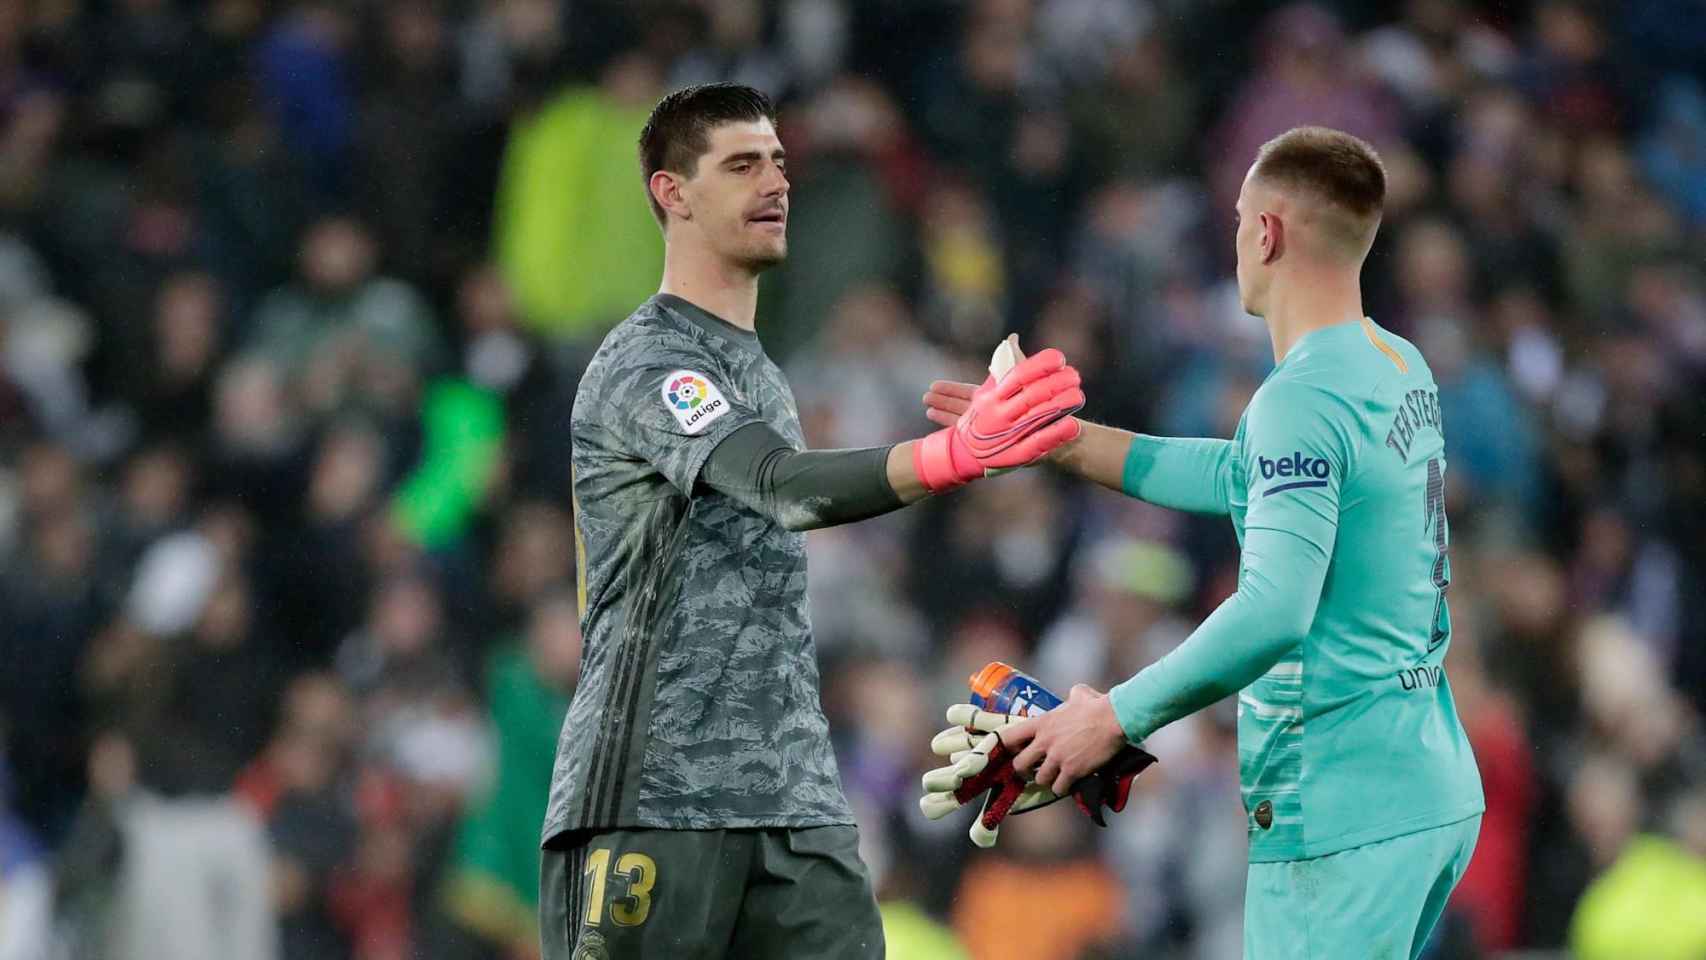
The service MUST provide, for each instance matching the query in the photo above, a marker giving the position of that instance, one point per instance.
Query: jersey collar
(1318, 336)
(708, 321)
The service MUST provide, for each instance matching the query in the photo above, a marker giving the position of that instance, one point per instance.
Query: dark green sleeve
(801, 490)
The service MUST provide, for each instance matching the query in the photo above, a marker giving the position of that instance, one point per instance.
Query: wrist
(941, 463)
(1110, 720)
(1067, 455)
(1126, 709)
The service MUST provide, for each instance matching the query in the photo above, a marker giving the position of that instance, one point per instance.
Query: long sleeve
(1180, 473)
(1299, 446)
(801, 489)
(1279, 586)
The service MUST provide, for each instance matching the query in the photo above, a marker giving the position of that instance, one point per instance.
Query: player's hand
(947, 400)
(1070, 742)
(1011, 422)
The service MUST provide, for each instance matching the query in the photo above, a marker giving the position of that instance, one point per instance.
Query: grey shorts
(708, 894)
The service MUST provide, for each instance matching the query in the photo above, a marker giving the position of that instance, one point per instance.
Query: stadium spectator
(1301, 78)
(565, 198)
(492, 885)
(26, 881)
(346, 337)
(1652, 899)
(304, 68)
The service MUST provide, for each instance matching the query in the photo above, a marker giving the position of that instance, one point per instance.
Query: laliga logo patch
(1296, 471)
(693, 400)
(686, 392)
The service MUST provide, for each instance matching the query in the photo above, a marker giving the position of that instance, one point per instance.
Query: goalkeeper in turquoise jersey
(1361, 794)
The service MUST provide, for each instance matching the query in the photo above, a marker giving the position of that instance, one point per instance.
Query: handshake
(980, 764)
(1020, 414)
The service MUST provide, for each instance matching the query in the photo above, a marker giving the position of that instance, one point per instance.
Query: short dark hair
(1334, 166)
(678, 132)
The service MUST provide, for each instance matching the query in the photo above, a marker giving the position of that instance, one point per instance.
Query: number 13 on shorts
(636, 870)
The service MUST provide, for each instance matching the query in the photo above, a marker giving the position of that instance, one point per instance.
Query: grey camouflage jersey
(698, 704)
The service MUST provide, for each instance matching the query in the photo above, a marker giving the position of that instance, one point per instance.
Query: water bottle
(1000, 688)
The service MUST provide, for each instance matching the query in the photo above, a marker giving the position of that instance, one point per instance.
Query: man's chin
(759, 261)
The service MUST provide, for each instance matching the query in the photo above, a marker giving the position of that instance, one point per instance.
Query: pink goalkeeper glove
(1011, 422)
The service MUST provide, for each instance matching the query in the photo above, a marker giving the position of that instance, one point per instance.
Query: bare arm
(1098, 455)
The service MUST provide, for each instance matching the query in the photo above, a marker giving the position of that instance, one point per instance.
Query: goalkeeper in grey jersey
(695, 809)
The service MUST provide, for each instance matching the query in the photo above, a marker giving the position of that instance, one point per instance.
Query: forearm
(1178, 473)
(1098, 455)
(803, 490)
(1271, 612)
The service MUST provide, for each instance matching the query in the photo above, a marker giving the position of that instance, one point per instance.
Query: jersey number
(1434, 521)
(640, 872)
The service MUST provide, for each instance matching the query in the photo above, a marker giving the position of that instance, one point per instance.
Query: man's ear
(1273, 237)
(666, 190)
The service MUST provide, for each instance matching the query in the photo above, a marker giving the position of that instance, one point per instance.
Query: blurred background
(294, 297)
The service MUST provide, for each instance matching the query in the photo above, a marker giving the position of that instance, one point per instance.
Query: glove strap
(934, 462)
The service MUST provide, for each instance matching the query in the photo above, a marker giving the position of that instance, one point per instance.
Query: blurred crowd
(294, 295)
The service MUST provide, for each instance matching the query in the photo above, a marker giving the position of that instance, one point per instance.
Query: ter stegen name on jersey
(1419, 409)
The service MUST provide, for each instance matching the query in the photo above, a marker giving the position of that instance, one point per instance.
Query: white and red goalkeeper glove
(979, 763)
(1009, 421)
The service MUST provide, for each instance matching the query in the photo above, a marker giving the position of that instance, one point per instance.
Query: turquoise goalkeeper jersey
(1336, 636)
